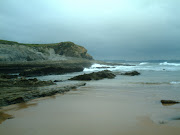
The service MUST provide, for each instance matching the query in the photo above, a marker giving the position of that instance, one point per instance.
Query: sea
(124, 105)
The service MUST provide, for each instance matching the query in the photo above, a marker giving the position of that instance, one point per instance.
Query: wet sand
(105, 107)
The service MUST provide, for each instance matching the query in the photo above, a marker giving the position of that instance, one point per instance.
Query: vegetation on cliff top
(68, 49)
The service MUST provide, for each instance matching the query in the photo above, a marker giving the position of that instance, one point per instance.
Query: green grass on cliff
(8, 42)
(34, 45)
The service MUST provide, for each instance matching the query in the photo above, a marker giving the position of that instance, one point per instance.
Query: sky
(108, 29)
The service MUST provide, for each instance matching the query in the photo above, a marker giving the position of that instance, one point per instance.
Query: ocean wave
(155, 67)
(157, 83)
(169, 64)
(143, 63)
(174, 82)
(100, 66)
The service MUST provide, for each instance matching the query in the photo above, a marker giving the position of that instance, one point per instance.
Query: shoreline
(47, 91)
(91, 108)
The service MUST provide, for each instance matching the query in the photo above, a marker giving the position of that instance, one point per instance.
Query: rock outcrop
(13, 95)
(94, 76)
(14, 51)
(70, 49)
(49, 71)
(169, 102)
(132, 73)
(23, 82)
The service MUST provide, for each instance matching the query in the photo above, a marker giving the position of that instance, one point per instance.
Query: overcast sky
(109, 29)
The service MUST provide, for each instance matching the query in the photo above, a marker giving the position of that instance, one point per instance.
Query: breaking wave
(143, 63)
(174, 82)
(144, 66)
(170, 64)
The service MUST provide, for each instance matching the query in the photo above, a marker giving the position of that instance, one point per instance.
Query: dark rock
(31, 82)
(16, 100)
(23, 82)
(34, 80)
(18, 67)
(6, 76)
(132, 73)
(177, 118)
(13, 95)
(58, 80)
(169, 102)
(104, 67)
(94, 76)
(50, 71)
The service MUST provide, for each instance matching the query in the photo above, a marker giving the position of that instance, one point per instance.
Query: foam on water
(144, 66)
(143, 63)
(174, 82)
(170, 64)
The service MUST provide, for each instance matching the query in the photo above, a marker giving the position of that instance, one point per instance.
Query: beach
(124, 105)
(89, 67)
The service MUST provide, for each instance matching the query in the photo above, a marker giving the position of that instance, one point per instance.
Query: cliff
(14, 51)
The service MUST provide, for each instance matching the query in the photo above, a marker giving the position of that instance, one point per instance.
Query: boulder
(58, 80)
(132, 73)
(95, 76)
(169, 102)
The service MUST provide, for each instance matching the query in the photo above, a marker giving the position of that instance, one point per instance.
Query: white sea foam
(174, 82)
(100, 66)
(142, 67)
(170, 64)
(143, 63)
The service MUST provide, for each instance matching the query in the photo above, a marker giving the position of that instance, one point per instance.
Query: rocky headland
(31, 60)
(14, 51)
(19, 61)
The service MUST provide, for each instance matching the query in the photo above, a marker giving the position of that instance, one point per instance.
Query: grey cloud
(116, 29)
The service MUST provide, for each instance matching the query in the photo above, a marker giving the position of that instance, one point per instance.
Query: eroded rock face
(13, 95)
(23, 82)
(72, 50)
(50, 71)
(6, 76)
(95, 76)
(14, 51)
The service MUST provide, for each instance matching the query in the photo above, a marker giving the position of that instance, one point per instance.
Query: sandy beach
(106, 107)
(89, 67)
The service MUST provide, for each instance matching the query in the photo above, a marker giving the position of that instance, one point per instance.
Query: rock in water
(170, 102)
(132, 73)
(95, 76)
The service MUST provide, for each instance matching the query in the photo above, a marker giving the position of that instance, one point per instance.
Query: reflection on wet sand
(100, 108)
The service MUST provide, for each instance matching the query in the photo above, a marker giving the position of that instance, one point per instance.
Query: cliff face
(14, 51)
(72, 50)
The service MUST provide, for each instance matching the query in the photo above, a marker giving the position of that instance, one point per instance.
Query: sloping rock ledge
(95, 76)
